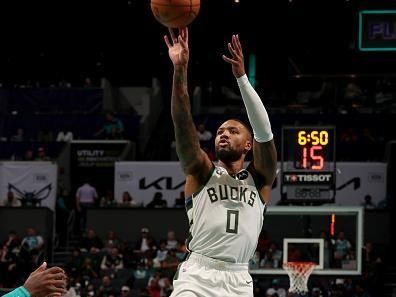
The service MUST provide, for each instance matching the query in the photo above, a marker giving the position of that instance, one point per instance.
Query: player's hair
(243, 123)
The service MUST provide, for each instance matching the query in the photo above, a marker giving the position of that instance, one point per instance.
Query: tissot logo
(308, 178)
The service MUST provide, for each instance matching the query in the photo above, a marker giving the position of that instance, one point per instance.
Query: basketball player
(225, 203)
(42, 282)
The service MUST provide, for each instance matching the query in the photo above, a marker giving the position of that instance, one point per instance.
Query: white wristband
(257, 114)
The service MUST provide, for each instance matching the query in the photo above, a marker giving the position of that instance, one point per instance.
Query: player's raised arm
(264, 151)
(194, 161)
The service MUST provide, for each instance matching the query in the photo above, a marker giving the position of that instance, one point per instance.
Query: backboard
(330, 236)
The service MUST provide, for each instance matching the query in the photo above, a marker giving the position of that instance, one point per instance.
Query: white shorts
(200, 276)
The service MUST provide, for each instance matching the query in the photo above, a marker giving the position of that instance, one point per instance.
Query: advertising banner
(33, 183)
(143, 179)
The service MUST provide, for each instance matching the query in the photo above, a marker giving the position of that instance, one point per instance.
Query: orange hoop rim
(298, 264)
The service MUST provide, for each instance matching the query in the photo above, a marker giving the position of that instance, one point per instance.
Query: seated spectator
(180, 201)
(170, 263)
(181, 251)
(158, 201)
(141, 275)
(12, 242)
(88, 272)
(29, 155)
(106, 289)
(75, 263)
(63, 210)
(275, 287)
(161, 254)
(112, 262)
(19, 136)
(342, 247)
(127, 200)
(203, 134)
(153, 286)
(166, 286)
(110, 242)
(368, 204)
(125, 291)
(145, 242)
(65, 136)
(171, 241)
(8, 267)
(108, 200)
(11, 201)
(41, 155)
(92, 240)
(113, 128)
(32, 241)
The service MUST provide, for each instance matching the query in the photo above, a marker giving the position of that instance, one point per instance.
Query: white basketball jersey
(226, 217)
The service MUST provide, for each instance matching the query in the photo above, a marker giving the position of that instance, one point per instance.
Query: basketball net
(299, 273)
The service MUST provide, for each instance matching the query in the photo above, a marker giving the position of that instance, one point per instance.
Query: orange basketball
(175, 13)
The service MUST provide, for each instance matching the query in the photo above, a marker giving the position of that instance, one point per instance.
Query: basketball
(175, 13)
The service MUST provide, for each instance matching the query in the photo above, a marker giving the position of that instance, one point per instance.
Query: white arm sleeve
(258, 116)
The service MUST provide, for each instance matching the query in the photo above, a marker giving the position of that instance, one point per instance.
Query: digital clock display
(308, 164)
(308, 148)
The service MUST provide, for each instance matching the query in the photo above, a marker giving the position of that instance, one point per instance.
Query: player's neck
(232, 167)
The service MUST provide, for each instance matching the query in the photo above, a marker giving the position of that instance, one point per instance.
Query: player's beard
(228, 154)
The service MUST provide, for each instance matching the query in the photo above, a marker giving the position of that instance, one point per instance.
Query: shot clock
(308, 164)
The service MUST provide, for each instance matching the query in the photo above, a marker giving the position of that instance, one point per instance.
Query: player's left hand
(236, 60)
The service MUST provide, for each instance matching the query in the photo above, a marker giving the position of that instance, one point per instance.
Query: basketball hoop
(299, 273)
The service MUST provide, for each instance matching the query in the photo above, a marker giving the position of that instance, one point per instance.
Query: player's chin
(227, 154)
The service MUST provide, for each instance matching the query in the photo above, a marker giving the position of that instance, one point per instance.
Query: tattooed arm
(194, 161)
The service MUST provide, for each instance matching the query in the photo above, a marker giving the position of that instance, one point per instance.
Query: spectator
(12, 241)
(32, 242)
(29, 155)
(180, 201)
(342, 248)
(275, 286)
(92, 241)
(88, 82)
(75, 263)
(108, 200)
(146, 242)
(41, 155)
(86, 196)
(88, 272)
(161, 254)
(127, 200)
(141, 275)
(158, 201)
(19, 136)
(110, 242)
(171, 241)
(112, 262)
(181, 251)
(125, 291)
(10, 201)
(96, 259)
(170, 263)
(63, 210)
(368, 204)
(166, 287)
(113, 128)
(203, 134)
(153, 286)
(8, 267)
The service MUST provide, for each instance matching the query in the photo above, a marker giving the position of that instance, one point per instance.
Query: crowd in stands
(145, 266)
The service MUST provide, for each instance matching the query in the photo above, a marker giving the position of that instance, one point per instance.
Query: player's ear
(248, 146)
